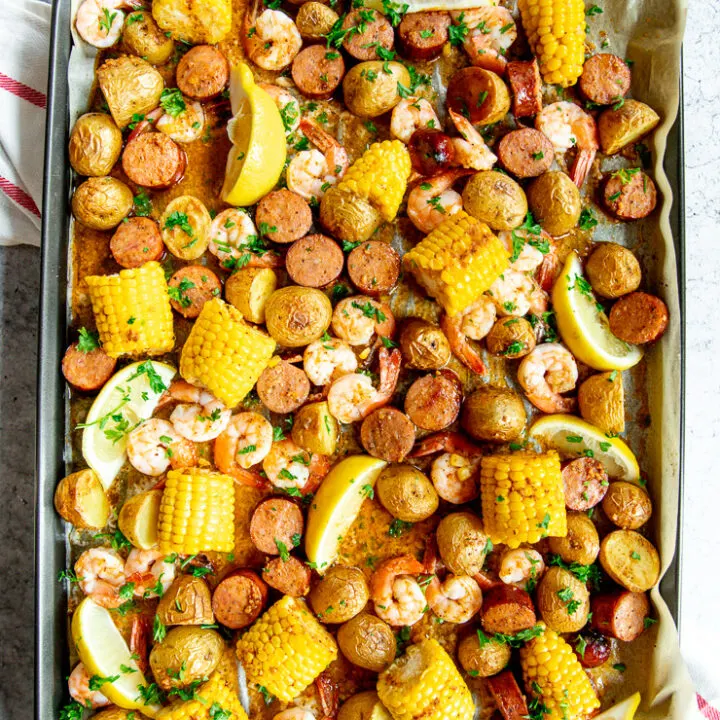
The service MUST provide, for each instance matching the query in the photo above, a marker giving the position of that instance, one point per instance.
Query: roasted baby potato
(341, 594)
(184, 245)
(296, 316)
(630, 560)
(511, 337)
(555, 202)
(370, 91)
(563, 601)
(406, 493)
(602, 401)
(143, 37)
(249, 289)
(613, 270)
(315, 429)
(368, 642)
(496, 199)
(347, 215)
(95, 145)
(627, 505)
(462, 543)
(194, 21)
(493, 414)
(315, 20)
(101, 203)
(424, 345)
(363, 706)
(186, 602)
(80, 499)
(619, 128)
(483, 661)
(581, 544)
(138, 519)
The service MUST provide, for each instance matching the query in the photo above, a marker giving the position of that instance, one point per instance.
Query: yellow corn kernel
(132, 311)
(286, 649)
(523, 499)
(212, 697)
(458, 261)
(197, 512)
(224, 354)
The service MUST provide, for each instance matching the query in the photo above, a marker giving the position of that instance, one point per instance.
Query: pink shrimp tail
(140, 640)
(444, 442)
(554, 405)
(461, 346)
(329, 694)
(146, 124)
(250, 478)
(581, 167)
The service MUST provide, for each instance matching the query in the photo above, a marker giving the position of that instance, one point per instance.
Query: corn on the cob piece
(424, 683)
(132, 311)
(553, 675)
(211, 699)
(556, 31)
(286, 649)
(224, 354)
(458, 261)
(197, 512)
(522, 497)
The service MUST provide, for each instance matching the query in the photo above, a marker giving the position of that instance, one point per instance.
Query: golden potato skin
(462, 543)
(627, 505)
(315, 429)
(95, 145)
(192, 595)
(101, 203)
(80, 499)
(340, 595)
(618, 128)
(368, 642)
(314, 20)
(496, 199)
(194, 21)
(582, 542)
(601, 399)
(511, 338)
(493, 414)
(368, 98)
(406, 493)
(198, 650)
(424, 345)
(555, 202)
(249, 289)
(347, 215)
(554, 608)
(144, 507)
(484, 661)
(143, 37)
(613, 270)
(295, 316)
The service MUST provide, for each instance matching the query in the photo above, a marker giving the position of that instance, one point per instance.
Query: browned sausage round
(191, 287)
(507, 609)
(283, 388)
(639, 318)
(592, 649)
(487, 579)
(239, 599)
(153, 160)
(290, 577)
(507, 695)
(276, 525)
(433, 401)
(87, 371)
(317, 71)
(283, 216)
(526, 86)
(630, 199)
(374, 267)
(423, 34)
(203, 72)
(388, 434)
(314, 261)
(431, 151)
(370, 29)
(136, 241)
(620, 614)
(526, 153)
(605, 79)
(586, 483)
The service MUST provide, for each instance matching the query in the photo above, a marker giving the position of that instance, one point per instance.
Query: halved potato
(630, 560)
(315, 429)
(139, 518)
(249, 289)
(80, 499)
(618, 128)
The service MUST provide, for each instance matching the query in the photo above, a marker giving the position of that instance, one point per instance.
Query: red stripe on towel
(19, 196)
(22, 91)
(707, 710)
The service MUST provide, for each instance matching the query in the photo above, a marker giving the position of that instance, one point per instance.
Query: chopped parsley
(282, 550)
(159, 630)
(179, 220)
(587, 219)
(172, 102)
(458, 33)
(593, 10)
(178, 292)
(398, 528)
(142, 204)
(87, 340)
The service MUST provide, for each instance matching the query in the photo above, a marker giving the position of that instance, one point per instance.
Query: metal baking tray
(51, 643)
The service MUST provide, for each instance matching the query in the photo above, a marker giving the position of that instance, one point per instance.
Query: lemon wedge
(624, 710)
(584, 327)
(336, 505)
(257, 156)
(128, 397)
(105, 653)
(572, 436)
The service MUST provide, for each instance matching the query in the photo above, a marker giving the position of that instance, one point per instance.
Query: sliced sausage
(388, 434)
(423, 34)
(487, 579)
(290, 577)
(137, 241)
(87, 371)
(314, 261)
(374, 267)
(526, 85)
(479, 95)
(191, 287)
(639, 318)
(154, 160)
(605, 78)
(369, 30)
(276, 521)
(630, 199)
(317, 71)
(508, 697)
(431, 151)
(620, 614)
(283, 216)
(283, 388)
(239, 599)
(507, 609)
(433, 401)
(203, 72)
(592, 649)
(526, 153)
(585, 482)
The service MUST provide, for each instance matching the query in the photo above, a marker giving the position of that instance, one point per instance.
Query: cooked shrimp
(353, 397)
(328, 359)
(100, 22)
(395, 591)
(567, 125)
(491, 32)
(101, 573)
(471, 151)
(522, 567)
(271, 39)
(515, 293)
(155, 444)
(311, 172)
(245, 442)
(288, 106)
(547, 372)
(186, 127)
(448, 441)
(473, 323)
(433, 200)
(234, 239)
(525, 247)
(549, 270)
(295, 713)
(200, 416)
(456, 599)
(79, 687)
(412, 114)
(288, 466)
(149, 572)
(357, 319)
